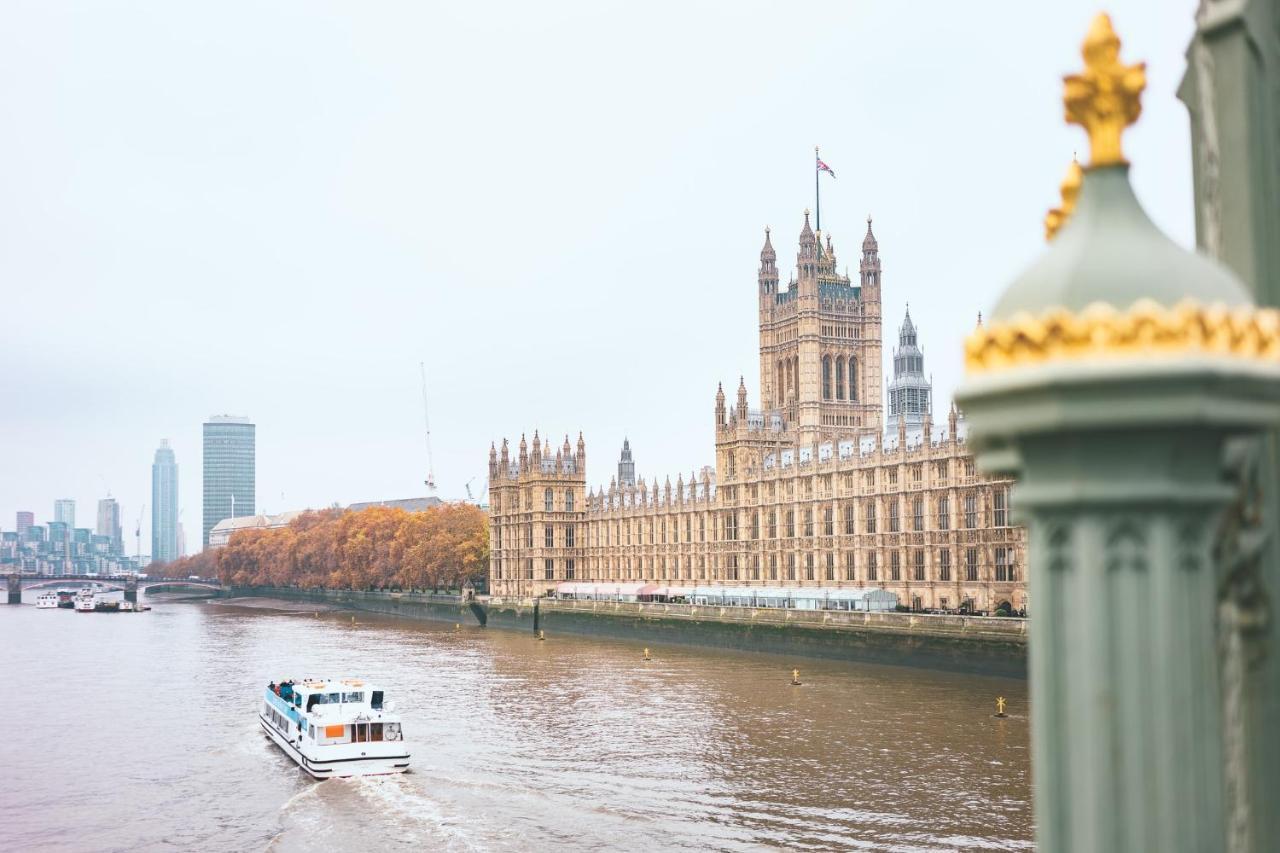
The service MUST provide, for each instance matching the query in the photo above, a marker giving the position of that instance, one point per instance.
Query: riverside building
(809, 490)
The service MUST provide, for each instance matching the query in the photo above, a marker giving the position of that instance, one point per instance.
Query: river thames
(140, 732)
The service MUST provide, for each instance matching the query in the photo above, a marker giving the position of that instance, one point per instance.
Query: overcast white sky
(278, 209)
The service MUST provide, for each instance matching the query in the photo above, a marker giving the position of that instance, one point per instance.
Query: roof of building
(247, 522)
(406, 504)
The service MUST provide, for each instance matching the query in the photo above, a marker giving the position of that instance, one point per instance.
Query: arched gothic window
(853, 378)
(839, 378)
(826, 377)
(548, 500)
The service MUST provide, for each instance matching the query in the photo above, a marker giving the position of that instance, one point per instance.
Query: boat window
(313, 700)
(334, 698)
(375, 731)
(353, 697)
(376, 701)
(361, 732)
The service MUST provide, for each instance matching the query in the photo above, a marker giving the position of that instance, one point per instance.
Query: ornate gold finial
(1070, 189)
(1104, 99)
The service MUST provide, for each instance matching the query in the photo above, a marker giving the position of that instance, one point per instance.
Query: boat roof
(332, 685)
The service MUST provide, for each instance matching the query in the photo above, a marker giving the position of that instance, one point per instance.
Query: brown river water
(140, 732)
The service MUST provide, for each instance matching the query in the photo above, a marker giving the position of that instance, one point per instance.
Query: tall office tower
(229, 473)
(109, 524)
(182, 540)
(26, 520)
(64, 511)
(164, 505)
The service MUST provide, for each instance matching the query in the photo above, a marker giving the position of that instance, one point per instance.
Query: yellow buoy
(457, 626)
(1000, 707)
(542, 635)
(646, 655)
(795, 677)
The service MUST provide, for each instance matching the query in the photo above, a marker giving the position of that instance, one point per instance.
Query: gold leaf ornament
(1105, 98)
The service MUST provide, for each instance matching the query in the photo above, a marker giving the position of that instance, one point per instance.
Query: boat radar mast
(426, 418)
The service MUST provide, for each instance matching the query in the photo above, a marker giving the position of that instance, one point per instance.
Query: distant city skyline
(337, 238)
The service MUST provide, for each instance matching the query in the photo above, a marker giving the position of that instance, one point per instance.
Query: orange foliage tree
(376, 548)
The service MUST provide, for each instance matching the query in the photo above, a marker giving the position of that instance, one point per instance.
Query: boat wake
(395, 797)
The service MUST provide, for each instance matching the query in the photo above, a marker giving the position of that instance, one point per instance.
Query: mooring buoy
(795, 678)
(1000, 707)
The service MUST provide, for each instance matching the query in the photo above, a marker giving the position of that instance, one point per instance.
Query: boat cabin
(334, 712)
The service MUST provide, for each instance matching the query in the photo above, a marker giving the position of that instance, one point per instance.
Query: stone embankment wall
(987, 645)
(410, 605)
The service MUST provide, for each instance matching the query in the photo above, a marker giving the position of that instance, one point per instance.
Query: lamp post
(1113, 380)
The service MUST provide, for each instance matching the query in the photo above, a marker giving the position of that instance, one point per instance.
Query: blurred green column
(1114, 380)
(1232, 91)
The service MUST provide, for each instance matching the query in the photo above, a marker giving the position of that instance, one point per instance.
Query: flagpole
(817, 190)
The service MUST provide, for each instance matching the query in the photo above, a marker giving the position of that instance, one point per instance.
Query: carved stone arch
(1058, 535)
(1126, 544)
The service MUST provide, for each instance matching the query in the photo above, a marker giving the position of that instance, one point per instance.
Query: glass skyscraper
(64, 510)
(229, 473)
(164, 505)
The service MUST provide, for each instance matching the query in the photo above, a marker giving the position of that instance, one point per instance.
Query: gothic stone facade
(806, 491)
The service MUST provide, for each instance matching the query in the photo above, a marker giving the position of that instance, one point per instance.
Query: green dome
(1109, 251)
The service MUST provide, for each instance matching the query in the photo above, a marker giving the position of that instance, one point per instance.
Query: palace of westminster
(813, 489)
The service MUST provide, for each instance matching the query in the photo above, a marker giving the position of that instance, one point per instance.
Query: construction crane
(483, 489)
(426, 418)
(137, 532)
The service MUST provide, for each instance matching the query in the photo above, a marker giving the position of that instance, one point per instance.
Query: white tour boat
(47, 601)
(86, 600)
(340, 727)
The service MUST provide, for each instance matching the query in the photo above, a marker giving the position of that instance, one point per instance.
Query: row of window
(775, 523)
(914, 476)
(834, 369)
(874, 569)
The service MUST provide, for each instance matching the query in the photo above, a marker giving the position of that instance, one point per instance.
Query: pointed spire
(869, 243)
(806, 231)
(767, 252)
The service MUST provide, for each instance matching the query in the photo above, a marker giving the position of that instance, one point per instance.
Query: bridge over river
(128, 585)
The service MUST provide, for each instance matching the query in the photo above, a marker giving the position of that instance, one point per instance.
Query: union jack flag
(823, 167)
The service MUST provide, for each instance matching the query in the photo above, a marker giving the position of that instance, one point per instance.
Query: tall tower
(820, 341)
(910, 392)
(64, 510)
(164, 505)
(229, 470)
(626, 466)
(109, 524)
